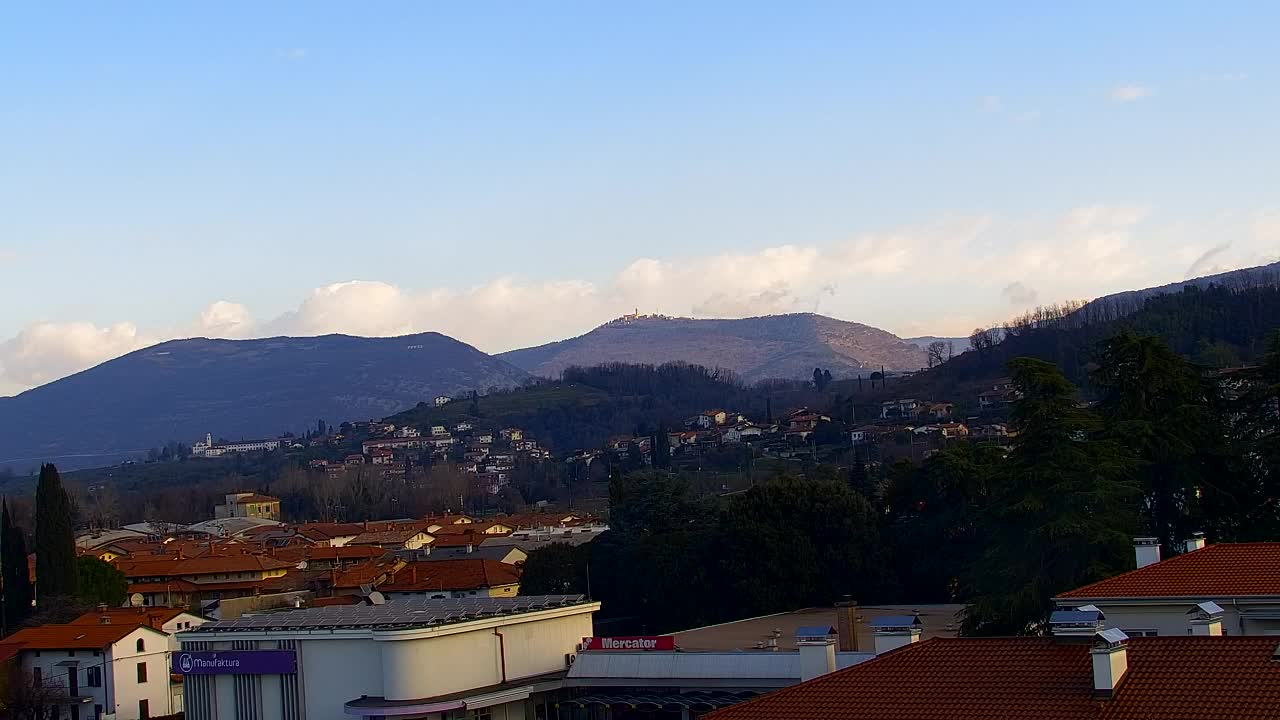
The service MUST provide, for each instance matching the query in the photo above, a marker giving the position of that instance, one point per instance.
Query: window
(142, 672)
(480, 714)
(144, 709)
(97, 712)
(1144, 632)
(71, 653)
(93, 677)
(142, 645)
(37, 675)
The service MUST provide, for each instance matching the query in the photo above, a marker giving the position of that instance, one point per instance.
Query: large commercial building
(490, 658)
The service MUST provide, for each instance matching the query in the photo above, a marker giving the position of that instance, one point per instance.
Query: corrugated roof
(1170, 678)
(1215, 571)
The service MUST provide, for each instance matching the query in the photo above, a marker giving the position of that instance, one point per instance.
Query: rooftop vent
(1146, 551)
(894, 631)
(1078, 623)
(1110, 661)
(1206, 619)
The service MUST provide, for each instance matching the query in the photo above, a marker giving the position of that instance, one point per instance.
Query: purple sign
(235, 662)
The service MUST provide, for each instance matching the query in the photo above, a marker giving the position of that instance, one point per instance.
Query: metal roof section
(398, 614)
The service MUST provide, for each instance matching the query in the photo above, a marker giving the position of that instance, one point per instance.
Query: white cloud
(45, 351)
(1131, 93)
(991, 103)
(295, 54)
(223, 319)
(941, 278)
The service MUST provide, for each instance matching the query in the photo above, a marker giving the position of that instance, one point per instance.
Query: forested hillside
(1218, 327)
(590, 405)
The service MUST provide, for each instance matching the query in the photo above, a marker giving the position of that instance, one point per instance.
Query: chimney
(1146, 551)
(847, 624)
(1206, 619)
(772, 643)
(1196, 542)
(1110, 661)
(817, 651)
(894, 631)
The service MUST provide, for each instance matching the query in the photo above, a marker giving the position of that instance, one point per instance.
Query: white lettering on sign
(637, 644)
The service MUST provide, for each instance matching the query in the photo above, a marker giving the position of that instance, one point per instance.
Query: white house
(1168, 598)
(442, 400)
(208, 448)
(101, 671)
(410, 657)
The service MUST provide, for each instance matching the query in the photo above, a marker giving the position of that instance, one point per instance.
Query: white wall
(124, 659)
(334, 672)
(1173, 620)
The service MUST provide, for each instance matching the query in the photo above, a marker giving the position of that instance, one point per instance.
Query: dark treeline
(1217, 326)
(1168, 449)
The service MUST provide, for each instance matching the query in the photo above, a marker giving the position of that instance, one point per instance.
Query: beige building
(248, 505)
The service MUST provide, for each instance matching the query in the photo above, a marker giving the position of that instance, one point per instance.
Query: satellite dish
(135, 600)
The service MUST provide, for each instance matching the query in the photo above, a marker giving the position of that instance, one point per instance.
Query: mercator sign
(652, 642)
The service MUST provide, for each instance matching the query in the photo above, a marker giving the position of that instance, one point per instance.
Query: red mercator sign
(655, 642)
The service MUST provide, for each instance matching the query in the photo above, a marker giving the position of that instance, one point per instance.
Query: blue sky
(516, 173)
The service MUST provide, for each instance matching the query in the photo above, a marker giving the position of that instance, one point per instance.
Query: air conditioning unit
(569, 659)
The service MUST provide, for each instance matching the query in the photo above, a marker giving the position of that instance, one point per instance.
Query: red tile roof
(169, 566)
(1170, 678)
(255, 498)
(1214, 571)
(73, 637)
(460, 574)
(155, 617)
(297, 554)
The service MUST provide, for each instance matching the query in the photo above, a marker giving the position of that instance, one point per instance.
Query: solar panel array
(398, 613)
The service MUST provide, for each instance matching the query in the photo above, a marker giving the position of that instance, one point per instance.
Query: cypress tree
(55, 541)
(13, 572)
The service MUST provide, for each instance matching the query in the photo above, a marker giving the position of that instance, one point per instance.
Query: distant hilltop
(758, 348)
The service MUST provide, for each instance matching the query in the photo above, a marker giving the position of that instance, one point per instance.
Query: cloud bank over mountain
(942, 277)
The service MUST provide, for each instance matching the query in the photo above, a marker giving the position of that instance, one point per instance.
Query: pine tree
(55, 541)
(1164, 409)
(13, 572)
(1062, 508)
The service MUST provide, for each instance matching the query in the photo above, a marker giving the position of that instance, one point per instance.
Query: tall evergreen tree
(55, 540)
(1165, 411)
(1252, 511)
(1062, 508)
(13, 572)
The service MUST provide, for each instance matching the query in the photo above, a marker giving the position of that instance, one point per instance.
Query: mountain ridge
(181, 389)
(755, 348)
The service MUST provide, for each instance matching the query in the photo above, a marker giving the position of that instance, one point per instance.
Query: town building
(177, 580)
(1167, 598)
(98, 671)
(454, 578)
(442, 400)
(490, 658)
(687, 673)
(248, 505)
(1085, 671)
(208, 448)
